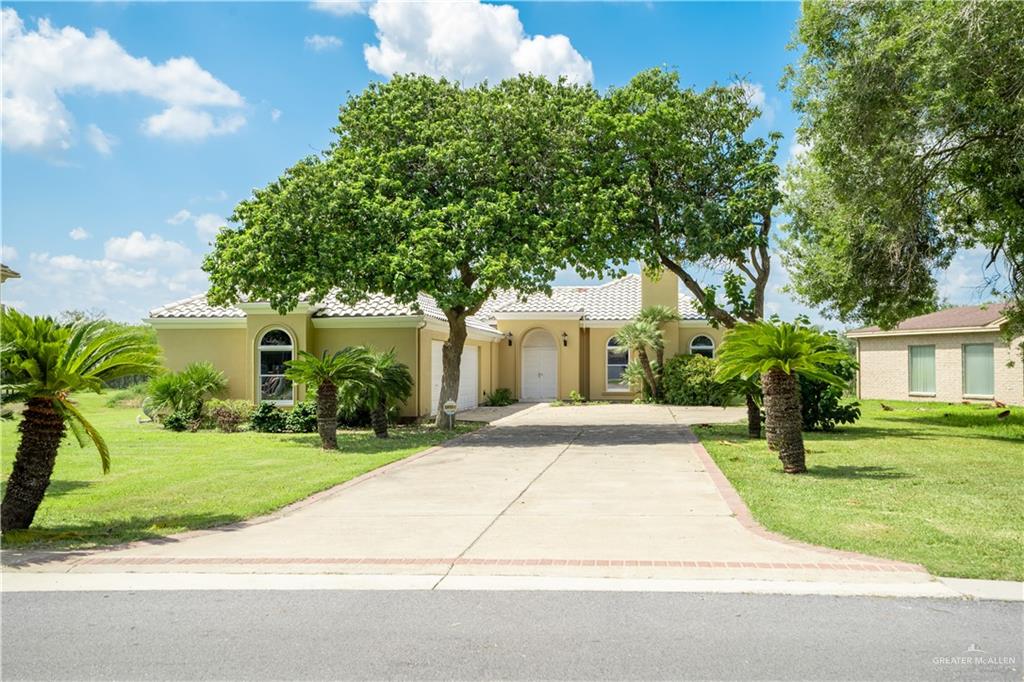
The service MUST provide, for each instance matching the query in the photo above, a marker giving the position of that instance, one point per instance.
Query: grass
(936, 484)
(163, 482)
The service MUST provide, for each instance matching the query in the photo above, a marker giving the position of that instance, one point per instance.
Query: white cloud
(467, 41)
(963, 282)
(139, 247)
(100, 141)
(275, 115)
(319, 43)
(41, 66)
(78, 234)
(183, 123)
(207, 224)
(8, 253)
(180, 217)
(340, 8)
(757, 97)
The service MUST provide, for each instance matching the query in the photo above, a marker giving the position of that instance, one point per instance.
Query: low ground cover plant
(500, 397)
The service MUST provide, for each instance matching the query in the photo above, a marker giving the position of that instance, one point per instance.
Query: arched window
(616, 360)
(702, 345)
(274, 350)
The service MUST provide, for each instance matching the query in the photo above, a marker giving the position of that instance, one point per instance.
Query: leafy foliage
(674, 181)
(429, 187)
(186, 390)
(690, 380)
(268, 418)
(301, 418)
(914, 124)
(228, 415)
(755, 349)
(821, 402)
(499, 397)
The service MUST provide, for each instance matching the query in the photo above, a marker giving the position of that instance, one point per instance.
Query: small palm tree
(42, 362)
(185, 391)
(658, 315)
(328, 374)
(638, 336)
(390, 383)
(778, 353)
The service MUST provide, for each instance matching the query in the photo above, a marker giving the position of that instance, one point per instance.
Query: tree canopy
(676, 183)
(913, 119)
(429, 187)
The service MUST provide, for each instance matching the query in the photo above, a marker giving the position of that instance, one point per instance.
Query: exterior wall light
(565, 339)
(508, 337)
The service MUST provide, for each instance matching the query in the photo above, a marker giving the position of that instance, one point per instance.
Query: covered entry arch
(539, 366)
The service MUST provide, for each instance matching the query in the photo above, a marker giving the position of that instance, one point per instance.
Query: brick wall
(884, 367)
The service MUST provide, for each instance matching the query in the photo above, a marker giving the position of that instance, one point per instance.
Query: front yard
(935, 484)
(162, 482)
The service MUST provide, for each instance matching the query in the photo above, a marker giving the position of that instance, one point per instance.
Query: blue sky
(130, 130)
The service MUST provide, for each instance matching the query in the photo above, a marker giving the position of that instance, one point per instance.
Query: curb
(742, 513)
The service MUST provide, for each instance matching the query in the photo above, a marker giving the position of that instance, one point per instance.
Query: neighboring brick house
(950, 355)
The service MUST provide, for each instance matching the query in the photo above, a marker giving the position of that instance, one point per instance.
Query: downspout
(419, 387)
(858, 370)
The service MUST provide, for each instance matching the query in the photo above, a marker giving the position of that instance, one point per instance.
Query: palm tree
(390, 383)
(638, 336)
(778, 353)
(42, 362)
(658, 315)
(185, 391)
(328, 374)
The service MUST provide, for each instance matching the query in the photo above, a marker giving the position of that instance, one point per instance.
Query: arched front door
(540, 366)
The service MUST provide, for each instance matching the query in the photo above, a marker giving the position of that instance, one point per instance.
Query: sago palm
(42, 362)
(638, 336)
(390, 384)
(778, 353)
(327, 374)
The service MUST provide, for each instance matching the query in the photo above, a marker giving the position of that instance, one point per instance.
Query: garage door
(468, 376)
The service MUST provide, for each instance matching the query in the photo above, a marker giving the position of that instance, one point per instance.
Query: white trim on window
(620, 387)
(706, 344)
(260, 375)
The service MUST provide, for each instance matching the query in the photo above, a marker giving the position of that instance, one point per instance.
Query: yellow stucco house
(539, 347)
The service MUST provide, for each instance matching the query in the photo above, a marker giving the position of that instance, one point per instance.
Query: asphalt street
(316, 634)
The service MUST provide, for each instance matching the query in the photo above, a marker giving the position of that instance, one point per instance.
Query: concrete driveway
(598, 491)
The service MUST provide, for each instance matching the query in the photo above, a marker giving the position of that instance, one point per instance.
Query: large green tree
(677, 182)
(429, 187)
(912, 114)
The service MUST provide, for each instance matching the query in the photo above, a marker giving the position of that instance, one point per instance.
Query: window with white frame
(979, 368)
(922, 369)
(274, 351)
(702, 345)
(616, 361)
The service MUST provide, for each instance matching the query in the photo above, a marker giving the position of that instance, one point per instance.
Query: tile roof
(618, 299)
(950, 318)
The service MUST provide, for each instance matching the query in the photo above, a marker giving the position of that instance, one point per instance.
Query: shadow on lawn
(40, 545)
(856, 472)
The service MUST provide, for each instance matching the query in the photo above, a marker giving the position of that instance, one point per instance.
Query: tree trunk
(451, 361)
(784, 425)
(327, 415)
(42, 429)
(753, 418)
(645, 362)
(379, 419)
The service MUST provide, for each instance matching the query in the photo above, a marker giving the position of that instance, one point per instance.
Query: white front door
(540, 366)
(468, 377)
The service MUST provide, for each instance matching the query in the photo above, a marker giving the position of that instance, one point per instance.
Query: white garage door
(540, 366)
(468, 376)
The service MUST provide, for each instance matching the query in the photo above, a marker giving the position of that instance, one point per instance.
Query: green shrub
(820, 402)
(690, 380)
(301, 418)
(500, 397)
(227, 415)
(268, 418)
(577, 398)
(353, 416)
(175, 421)
(188, 418)
(186, 390)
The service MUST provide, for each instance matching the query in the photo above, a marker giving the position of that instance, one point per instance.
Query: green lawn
(936, 484)
(163, 482)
